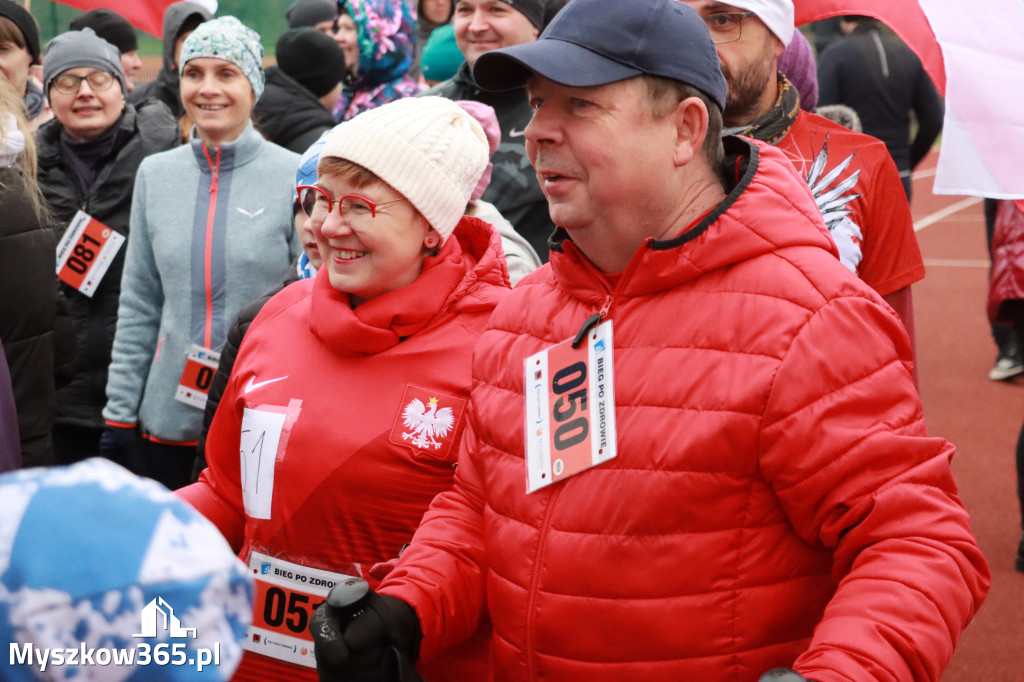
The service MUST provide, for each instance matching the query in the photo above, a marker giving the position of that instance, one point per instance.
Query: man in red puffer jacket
(694, 450)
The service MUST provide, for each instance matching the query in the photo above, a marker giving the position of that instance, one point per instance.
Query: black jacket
(290, 115)
(149, 129)
(514, 188)
(872, 71)
(35, 327)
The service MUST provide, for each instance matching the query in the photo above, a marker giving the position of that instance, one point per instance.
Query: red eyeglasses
(314, 199)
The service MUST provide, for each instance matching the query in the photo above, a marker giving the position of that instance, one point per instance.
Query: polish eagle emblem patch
(428, 421)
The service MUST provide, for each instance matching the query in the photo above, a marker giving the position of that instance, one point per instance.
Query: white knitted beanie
(427, 148)
(777, 15)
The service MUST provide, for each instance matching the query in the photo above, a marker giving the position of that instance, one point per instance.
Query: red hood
(487, 280)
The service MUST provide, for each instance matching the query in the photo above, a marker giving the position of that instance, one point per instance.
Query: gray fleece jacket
(206, 238)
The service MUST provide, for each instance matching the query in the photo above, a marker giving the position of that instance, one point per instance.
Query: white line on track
(944, 213)
(955, 263)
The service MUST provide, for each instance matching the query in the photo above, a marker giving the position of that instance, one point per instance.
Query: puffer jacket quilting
(757, 461)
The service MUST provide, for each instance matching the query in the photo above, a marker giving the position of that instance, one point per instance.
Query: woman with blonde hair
(34, 325)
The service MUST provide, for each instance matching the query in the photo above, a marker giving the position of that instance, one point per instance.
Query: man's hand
(363, 636)
(783, 675)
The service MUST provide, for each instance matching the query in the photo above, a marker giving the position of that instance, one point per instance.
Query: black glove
(122, 445)
(376, 638)
(783, 675)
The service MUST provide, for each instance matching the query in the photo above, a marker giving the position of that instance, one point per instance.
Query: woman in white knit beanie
(418, 160)
(344, 409)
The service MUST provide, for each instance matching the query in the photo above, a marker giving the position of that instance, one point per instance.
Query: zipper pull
(214, 168)
(592, 322)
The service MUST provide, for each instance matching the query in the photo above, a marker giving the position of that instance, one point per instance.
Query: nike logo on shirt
(516, 133)
(254, 384)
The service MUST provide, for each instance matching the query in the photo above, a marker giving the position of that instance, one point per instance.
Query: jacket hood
(174, 18)
(386, 31)
(483, 285)
(768, 207)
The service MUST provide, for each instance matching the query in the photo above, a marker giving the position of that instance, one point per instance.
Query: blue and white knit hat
(96, 559)
(229, 39)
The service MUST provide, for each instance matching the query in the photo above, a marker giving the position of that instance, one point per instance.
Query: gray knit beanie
(427, 148)
(74, 49)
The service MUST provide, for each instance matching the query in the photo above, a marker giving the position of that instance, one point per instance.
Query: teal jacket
(184, 285)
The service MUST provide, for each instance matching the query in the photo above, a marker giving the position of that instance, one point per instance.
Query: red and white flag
(976, 59)
(145, 15)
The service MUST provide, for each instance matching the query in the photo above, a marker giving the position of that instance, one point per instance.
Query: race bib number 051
(286, 596)
(85, 252)
(570, 408)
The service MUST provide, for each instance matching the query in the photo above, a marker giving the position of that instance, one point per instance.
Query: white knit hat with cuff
(428, 148)
(777, 15)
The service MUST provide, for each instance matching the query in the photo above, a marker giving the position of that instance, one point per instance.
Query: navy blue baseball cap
(595, 42)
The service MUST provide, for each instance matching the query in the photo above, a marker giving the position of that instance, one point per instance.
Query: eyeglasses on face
(726, 27)
(69, 84)
(315, 200)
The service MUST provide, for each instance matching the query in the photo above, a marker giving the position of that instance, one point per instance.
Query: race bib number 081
(570, 408)
(85, 252)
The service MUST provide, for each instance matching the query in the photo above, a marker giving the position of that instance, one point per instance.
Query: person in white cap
(853, 179)
(355, 382)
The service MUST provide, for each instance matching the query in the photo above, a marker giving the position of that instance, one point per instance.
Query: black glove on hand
(371, 640)
(783, 675)
(122, 445)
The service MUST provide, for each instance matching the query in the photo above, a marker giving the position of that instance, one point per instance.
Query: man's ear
(691, 117)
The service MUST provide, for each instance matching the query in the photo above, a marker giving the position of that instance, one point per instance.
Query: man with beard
(852, 177)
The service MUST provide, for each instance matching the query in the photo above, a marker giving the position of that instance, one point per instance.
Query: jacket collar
(49, 133)
(767, 207)
(236, 153)
(464, 80)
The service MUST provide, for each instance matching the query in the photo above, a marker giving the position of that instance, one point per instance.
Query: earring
(431, 241)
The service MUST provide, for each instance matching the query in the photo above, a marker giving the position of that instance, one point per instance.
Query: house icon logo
(151, 620)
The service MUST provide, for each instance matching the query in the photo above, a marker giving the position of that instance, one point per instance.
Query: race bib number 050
(85, 252)
(570, 408)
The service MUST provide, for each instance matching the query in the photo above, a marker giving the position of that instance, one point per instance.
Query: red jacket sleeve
(441, 574)
(845, 446)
